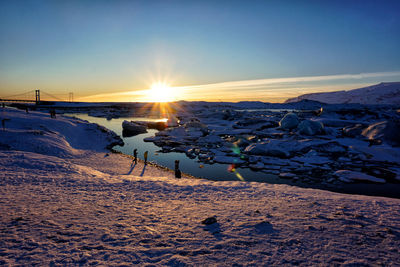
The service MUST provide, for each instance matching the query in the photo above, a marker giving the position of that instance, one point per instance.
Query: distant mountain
(383, 93)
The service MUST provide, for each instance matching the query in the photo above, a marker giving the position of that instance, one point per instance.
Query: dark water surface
(219, 172)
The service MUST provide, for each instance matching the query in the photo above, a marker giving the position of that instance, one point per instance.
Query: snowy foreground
(64, 199)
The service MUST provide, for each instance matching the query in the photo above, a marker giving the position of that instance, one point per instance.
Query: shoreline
(307, 186)
(155, 165)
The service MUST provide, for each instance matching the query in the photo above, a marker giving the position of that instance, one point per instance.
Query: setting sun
(161, 92)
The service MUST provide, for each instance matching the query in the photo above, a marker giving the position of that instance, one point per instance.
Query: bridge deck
(16, 100)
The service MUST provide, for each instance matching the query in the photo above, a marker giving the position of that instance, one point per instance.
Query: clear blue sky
(106, 47)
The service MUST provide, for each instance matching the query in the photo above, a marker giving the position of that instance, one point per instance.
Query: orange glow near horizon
(273, 90)
(160, 92)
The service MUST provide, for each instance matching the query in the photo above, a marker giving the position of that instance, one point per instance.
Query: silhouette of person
(52, 113)
(135, 156)
(178, 173)
(145, 157)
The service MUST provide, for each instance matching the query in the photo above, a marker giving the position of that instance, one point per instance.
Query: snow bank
(38, 132)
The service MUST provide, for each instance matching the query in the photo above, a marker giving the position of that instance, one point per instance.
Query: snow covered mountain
(382, 93)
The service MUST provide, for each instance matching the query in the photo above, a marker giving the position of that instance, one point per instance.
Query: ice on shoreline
(322, 140)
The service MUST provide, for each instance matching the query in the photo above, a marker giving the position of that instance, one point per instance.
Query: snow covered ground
(66, 200)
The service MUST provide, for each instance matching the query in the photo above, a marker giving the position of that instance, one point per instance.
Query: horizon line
(266, 85)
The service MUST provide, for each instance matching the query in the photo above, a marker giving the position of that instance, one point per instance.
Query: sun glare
(161, 92)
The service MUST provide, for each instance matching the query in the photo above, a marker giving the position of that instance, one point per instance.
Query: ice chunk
(131, 128)
(289, 121)
(386, 130)
(228, 159)
(349, 176)
(309, 127)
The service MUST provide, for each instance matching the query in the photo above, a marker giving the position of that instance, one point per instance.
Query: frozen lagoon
(216, 171)
(219, 171)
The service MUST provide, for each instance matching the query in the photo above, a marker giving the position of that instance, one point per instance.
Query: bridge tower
(37, 96)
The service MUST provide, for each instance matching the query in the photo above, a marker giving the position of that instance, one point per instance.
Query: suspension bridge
(38, 97)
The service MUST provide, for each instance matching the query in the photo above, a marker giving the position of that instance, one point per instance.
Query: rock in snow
(209, 220)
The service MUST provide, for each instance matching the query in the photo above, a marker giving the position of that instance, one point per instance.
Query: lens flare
(161, 92)
(232, 168)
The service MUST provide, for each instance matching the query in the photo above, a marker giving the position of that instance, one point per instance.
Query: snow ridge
(382, 93)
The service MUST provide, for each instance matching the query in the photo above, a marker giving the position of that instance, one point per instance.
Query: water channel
(217, 172)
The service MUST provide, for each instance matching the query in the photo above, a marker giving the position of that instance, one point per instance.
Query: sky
(205, 50)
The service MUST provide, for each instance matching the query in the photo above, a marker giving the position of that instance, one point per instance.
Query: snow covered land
(66, 200)
(383, 93)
